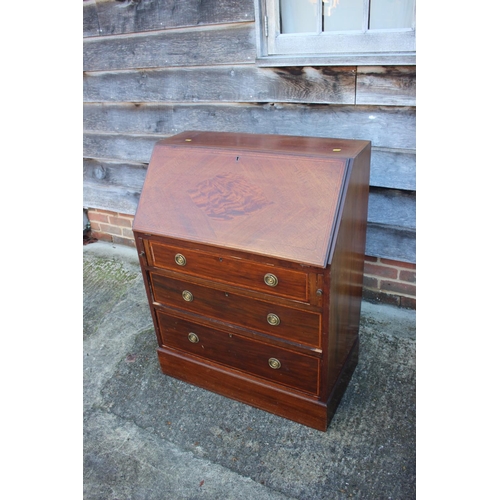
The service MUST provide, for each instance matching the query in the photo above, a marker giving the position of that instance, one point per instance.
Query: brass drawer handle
(187, 296)
(274, 363)
(273, 319)
(192, 337)
(180, 260)
(270, 279)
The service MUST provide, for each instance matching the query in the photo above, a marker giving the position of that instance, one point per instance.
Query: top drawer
(231, 270)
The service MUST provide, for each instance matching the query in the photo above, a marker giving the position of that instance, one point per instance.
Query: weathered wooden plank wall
(113, 17)
(154, 68)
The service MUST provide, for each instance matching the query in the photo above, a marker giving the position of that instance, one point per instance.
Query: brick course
(390, 282)
(385, 281)
(111, 226)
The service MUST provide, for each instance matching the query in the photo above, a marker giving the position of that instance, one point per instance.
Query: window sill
(386, 59)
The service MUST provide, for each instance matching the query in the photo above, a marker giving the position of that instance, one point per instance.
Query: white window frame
(374, 47)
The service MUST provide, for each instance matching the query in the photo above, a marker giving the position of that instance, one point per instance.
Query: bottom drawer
(270, 362)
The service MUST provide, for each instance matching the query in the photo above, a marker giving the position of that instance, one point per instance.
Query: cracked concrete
(148, 436)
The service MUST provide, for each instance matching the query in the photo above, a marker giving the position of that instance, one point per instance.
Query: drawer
(289, 323)
(257, 358)
(239, 272)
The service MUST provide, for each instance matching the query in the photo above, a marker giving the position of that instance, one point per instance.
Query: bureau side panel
(346, 271)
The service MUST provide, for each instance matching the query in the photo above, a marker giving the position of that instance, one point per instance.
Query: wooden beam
(228, 44)
(391, 243)
(117, 17)
(383, 85)
(392, 207)
(236, 83)
(390, 128)
(393, 169)
(119, 147)
(106, 173)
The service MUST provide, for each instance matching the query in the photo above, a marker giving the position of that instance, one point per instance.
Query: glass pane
(391, 14)
(298, 16)
(342, 15)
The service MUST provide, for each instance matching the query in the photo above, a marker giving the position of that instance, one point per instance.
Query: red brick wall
(390, 281)
(386, 281)
(111, 226)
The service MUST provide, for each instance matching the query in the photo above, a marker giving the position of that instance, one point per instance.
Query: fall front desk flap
(277, 196)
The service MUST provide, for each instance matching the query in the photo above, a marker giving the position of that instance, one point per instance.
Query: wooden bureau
(252, 250)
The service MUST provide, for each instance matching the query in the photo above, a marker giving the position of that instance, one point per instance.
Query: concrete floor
(148, 436)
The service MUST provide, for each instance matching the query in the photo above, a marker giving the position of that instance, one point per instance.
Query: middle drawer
(292, 324)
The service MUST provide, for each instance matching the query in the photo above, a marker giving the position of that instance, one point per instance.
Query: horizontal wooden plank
(120, 16)
(111, 198)
(119, 147)
(114, 186)
(243, 83)
(391, 243)
(383, 85)
(229, 44)
(393, 169)
(129, 176)
(392, 207)
(386, 127)
(334, 85)
(392, 128)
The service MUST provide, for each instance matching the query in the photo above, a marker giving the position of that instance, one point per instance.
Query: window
(337, 32)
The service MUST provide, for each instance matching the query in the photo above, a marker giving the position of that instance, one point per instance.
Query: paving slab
(149, 436)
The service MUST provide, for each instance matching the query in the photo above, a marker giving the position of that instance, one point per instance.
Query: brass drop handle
(273, 319)
(270, 279)
(274, 363)
(192, 337)
(180, 260)
(187, 296)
